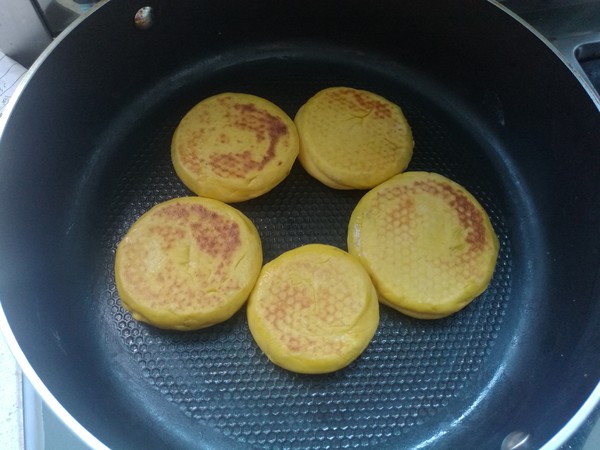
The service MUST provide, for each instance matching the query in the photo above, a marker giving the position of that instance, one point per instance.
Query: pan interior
(417, 382)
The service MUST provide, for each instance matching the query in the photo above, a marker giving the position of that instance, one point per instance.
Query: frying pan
(85, 151)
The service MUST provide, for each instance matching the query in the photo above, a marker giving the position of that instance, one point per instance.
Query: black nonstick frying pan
(85, 151)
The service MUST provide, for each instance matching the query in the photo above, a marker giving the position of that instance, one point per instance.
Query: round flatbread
(352, 139)
(427, 243)
(187, 263)
(233, 147)
(313, 310)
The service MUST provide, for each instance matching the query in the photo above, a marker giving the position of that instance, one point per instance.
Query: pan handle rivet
(517, 440)
(144, 18)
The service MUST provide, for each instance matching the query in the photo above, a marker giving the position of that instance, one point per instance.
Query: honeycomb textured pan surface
(414, 375)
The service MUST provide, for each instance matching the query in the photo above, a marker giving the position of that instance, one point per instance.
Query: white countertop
(11, 413)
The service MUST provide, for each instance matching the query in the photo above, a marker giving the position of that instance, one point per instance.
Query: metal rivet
(144, 18)
(517, 440)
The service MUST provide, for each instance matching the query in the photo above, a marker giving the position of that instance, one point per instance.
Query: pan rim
(5, 329)
(581, 78)
(4, 118)
(55, 406)
(593, 400)
(573, 424)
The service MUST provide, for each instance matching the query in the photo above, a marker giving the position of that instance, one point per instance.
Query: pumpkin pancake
(187, 263)
(233, 147)
(352, 139)
(314, 309)
(427, 243)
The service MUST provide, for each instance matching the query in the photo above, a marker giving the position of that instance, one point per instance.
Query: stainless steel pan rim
(559, 439)
(576, 421)
(28, 371)
(86, 437)
(581, 77)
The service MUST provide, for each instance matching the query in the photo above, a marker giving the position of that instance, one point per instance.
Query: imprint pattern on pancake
(427, 243)
(187, 263)
(313, 310)
(352, 139)
(234, 147)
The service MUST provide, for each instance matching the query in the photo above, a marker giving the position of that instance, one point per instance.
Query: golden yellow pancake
(427, 243)
(352, 139)
(233, 147)
(187, 263)
(314, 309)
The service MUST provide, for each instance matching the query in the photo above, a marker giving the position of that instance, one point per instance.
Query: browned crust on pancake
(187, 263)
(470, 217)
(243, 116)
(353, 100)
(265, 126)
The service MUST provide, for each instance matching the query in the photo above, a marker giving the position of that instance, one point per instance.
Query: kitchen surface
(25, 421)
